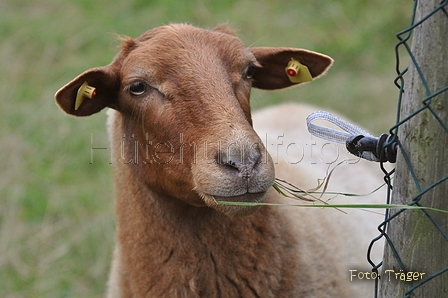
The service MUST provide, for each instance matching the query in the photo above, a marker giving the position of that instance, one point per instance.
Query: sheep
(182, 136)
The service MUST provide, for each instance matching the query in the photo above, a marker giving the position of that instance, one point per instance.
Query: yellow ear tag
(297, 72)
(84, 91)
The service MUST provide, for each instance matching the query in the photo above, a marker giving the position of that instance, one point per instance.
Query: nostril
(241, 159)
(244, 170)
(232, 164)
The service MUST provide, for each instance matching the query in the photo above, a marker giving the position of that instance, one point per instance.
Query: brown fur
(195, 143)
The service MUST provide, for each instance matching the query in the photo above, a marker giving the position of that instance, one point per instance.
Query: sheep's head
(182, 95)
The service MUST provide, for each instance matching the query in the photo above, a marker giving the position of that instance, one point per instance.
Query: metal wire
(404, 38)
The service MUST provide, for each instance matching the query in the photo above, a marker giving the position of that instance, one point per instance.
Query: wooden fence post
(419, 244)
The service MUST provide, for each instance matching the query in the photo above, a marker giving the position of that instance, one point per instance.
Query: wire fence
(427, 104)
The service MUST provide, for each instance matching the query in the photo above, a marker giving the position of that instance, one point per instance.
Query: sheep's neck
(197, 248)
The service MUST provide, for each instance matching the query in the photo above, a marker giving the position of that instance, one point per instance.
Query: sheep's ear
(273, 61)
(106, 84)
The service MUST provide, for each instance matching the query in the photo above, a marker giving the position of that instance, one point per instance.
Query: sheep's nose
(241, 157)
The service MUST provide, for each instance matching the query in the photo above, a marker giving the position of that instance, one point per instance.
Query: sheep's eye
(249, 71)
(137, 88)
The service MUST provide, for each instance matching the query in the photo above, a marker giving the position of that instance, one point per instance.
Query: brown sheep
(182, 139)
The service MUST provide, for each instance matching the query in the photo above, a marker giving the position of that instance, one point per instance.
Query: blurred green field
(56, 208)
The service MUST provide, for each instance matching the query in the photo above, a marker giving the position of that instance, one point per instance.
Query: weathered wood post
(419, 244)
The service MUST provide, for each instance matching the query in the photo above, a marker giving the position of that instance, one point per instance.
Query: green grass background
(56, 209)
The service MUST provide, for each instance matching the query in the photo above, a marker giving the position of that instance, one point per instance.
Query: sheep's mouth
(247, 197)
